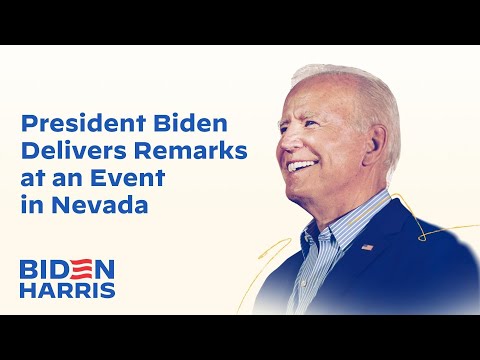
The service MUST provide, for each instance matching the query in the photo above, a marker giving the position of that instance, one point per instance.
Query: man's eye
(283, 129)
(310, 123)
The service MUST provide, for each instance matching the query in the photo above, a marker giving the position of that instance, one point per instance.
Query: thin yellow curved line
(411, 211)
(424, 234)
(445, 229)
(263, 268)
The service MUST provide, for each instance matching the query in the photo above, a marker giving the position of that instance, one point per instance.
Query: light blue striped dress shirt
(322, 255)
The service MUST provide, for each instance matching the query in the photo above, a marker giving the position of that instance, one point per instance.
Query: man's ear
(376, 144)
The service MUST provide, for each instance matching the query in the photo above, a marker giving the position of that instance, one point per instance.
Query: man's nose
(291, 140)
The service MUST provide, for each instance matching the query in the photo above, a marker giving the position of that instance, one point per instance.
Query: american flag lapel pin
(367, 247)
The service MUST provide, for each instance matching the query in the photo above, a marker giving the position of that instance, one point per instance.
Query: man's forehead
(323, 97)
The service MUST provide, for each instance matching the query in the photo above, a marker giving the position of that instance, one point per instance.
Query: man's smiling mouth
(298, 165)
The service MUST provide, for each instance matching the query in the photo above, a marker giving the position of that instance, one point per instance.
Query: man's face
(319, 153)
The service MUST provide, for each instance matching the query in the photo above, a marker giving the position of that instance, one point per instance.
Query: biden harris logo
(75, 279)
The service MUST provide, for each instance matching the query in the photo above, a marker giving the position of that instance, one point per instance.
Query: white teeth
(299, 164)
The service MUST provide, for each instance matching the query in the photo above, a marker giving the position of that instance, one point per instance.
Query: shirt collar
(347, 227)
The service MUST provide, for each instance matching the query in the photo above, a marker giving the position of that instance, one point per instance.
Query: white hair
(377, 102)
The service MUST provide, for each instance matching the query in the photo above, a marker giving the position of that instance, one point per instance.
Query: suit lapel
(377, 236)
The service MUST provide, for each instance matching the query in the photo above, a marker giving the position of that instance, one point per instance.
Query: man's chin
(295, 197)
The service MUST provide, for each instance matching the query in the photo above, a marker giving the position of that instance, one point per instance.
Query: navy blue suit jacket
(400, 275)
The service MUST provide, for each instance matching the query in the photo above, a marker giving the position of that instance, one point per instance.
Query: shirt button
(303, 283)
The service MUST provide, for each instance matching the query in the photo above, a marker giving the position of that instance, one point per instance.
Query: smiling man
(363, 252)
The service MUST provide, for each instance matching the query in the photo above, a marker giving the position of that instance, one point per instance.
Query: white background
(196, 250)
